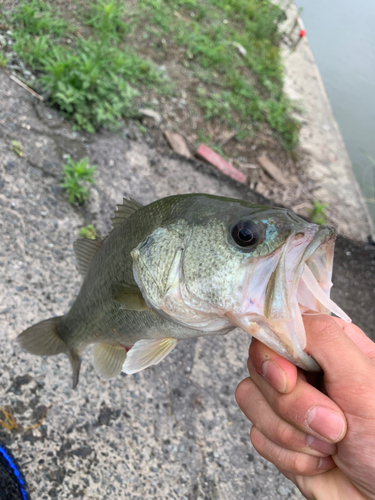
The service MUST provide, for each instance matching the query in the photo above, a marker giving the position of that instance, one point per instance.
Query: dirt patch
(241, 141)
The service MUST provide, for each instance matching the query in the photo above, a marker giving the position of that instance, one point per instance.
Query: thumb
(358, 337)
(342, 354)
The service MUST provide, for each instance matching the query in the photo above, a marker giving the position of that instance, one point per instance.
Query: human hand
(318, 430)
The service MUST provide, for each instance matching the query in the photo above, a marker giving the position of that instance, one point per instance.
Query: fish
(187, 266)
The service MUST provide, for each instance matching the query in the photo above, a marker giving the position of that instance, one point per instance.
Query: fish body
(188, 266)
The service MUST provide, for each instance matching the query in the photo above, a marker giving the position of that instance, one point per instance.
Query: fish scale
(188, 266)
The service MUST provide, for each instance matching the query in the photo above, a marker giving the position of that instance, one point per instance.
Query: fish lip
(279, 300)
(323, 239)
(319, 236)
(324, 235)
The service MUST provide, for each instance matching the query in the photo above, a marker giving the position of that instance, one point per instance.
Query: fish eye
(245, 233)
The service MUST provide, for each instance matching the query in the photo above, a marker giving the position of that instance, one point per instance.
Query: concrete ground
(172, 431)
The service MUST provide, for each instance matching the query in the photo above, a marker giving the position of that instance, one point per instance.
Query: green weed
(88, 86)
(37, 18)
(92, 81)
(106, 18)
(17, 148)
(318, 214)
(88, 232)
(3, 60)
(32, 48)
(216, 105)
(75, 175)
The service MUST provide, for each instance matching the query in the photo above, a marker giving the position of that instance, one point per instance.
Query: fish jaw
(272, 335)
(278, 324)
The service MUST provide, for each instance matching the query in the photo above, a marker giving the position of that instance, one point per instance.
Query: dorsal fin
(124, 211)
(85, 250)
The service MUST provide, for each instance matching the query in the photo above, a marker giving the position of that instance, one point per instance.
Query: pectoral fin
(147, 352)
(129, 296)
(108, 359)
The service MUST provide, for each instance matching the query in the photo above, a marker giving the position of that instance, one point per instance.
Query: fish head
(218, 263)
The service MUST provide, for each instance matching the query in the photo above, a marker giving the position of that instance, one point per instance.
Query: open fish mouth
(314, 285)
(300, 284)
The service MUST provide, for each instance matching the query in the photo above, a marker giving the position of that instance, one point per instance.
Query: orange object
(217, 161)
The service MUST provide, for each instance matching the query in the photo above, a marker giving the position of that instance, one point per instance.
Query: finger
(280, 373)
(364, 343)
(258, 411)
(305, 408)
(288, 460)
(333, 481)
(335, 351)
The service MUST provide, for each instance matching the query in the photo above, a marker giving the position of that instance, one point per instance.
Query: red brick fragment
(217, 161)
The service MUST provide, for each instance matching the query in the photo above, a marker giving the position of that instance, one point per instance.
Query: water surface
(342, 36)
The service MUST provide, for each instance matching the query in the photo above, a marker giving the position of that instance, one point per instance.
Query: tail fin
(43, 339)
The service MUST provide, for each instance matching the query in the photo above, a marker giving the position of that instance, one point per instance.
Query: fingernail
(325, 463)
(275, 375)
(321, 446)
(325, 422)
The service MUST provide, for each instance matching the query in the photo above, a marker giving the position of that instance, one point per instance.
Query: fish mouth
(300, 284)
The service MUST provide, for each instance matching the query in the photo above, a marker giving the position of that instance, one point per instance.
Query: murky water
(342, 36)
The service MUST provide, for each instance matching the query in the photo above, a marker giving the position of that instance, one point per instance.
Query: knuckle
(302, 464)
(284, 433)
(256, 437)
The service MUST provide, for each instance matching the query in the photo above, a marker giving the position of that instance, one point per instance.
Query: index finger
(279, 373)
(282, 375)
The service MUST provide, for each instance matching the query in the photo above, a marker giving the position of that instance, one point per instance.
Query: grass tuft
(75, 176)
(92, 81)
(90, 71)
(88, 232)
(318, 214)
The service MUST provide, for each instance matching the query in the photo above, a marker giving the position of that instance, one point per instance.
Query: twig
(177, 14)
(24, 86)
(10, 422)
(34, 426)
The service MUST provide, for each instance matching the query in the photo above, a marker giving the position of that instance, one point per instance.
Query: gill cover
(156, 263)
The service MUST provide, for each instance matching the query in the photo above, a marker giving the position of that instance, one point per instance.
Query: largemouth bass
(187, 266)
